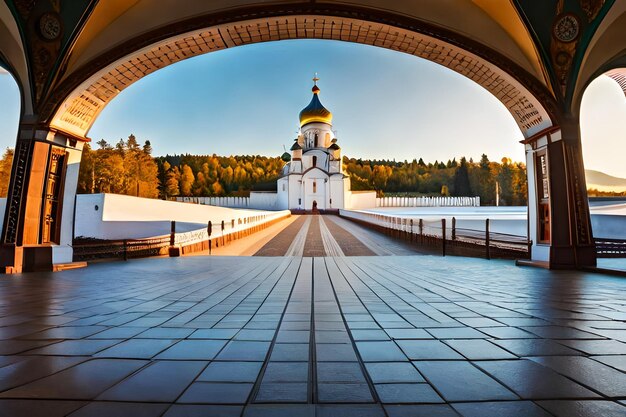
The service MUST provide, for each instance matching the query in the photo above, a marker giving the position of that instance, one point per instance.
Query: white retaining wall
(113, 216)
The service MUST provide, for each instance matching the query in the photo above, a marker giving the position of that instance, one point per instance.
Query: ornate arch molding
(615, 69)
(619, 76)
(79, 100)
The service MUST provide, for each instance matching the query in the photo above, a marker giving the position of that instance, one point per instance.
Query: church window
(316, 141)
(283, 187)
(315, 161)
(327, 139)
(314, 187)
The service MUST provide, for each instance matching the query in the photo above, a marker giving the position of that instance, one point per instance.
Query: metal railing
(213, 234)
(442, 236)
(610, 248)
(86, 249)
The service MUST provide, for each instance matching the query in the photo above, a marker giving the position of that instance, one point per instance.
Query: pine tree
(461, 180)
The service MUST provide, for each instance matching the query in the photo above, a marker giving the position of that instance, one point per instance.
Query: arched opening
(10, 103)
(603, 132)
(80, 100)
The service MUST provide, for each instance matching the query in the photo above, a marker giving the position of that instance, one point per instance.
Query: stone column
(37, 231)
(558, 218)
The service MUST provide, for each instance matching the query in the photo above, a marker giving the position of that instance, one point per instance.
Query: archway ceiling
(518, 36)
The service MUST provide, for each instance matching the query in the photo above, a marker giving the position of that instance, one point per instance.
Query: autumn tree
(6, 163)
(186, 180)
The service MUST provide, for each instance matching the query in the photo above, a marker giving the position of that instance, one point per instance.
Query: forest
(127, 167)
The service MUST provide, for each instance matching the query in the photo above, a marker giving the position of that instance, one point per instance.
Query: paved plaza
(327, 336)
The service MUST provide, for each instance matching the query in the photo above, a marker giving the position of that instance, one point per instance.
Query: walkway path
(328, 236)
(323, 336)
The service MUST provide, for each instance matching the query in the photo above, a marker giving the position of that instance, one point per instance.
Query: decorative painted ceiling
(544, 52)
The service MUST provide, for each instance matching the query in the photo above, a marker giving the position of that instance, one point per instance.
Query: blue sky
(246, 100)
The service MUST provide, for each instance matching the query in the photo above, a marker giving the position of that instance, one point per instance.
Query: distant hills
(604, 182)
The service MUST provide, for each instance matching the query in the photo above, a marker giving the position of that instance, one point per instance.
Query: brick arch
(79, 110)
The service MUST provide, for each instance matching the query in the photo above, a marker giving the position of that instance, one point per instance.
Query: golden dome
(315, 111)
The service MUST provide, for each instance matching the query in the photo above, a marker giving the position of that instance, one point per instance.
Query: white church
(313, 179)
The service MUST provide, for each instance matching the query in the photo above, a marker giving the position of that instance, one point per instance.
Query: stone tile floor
(330, 337)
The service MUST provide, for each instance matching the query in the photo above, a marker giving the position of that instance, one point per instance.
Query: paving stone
(476, 349)
(331, 352)
(231, 372)
(280, 410)
(616, 361)
(589, 373)
(332, 337)
(348, 372)
(286, 372)
(380, 352)
(460, 381)
(407, 393)
(68, 332)
(295, 325)
(12, 347)
(360, 335)
(420, 411)
(386, 372)
(185, 410)
(480, 322)
(256, 335)
(456, 333)
(161, 381)
(220, 334)
(352, 410)
(38, 408)
(344, 393)
(137, 348)
(216, 393)
(408, 334)
(500, 409)
(107, 409)
(297, 352)
(118, 333)
(560, 332)
(363, 325)
(34, 368)
(165, 333)
(533, 381)
(244, 351)
(507, 333)
(583, 408)
(81, 347)
(293, 392)
(427, 349)
(597, 347)
(193, 350)
(82, 382)
(535, 347)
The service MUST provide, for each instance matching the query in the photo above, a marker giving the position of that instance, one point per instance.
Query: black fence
(443, 237)
(95, 249)
(610, 248)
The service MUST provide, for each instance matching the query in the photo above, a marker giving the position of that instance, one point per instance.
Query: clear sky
(386, 105)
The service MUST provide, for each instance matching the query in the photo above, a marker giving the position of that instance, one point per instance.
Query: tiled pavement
(329, 337)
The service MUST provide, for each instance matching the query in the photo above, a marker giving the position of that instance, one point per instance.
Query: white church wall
(315, 189)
